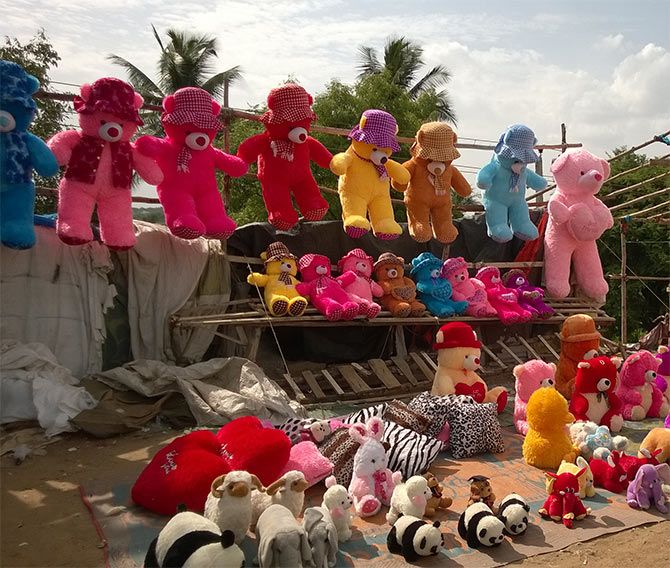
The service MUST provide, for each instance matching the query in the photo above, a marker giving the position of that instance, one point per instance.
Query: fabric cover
(434, 407)
(474, 427)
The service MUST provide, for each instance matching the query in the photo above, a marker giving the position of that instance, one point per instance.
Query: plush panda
(192, 541)
(513, 511)
(414, 538)
(480, 527)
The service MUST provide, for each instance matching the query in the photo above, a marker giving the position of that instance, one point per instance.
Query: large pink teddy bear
(189, 193)
(637, 390)
(325, 293)
(529, 377)
(364, 289)
(504, 300)
(100, 160)
(466, 289)
(577, 218)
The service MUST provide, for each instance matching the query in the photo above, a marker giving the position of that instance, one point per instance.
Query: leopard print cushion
(398, 412)
(340, 448)
(434, 408)
(475, 428)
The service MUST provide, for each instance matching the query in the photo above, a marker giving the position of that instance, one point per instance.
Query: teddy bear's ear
(584, 365)
(264, 255)
(138, 102)
(33, 84)
(85, 91)
(439, 338)
(617, 361)
(455, 139)
(517, 371)
(606, 169)
(559, 162)
(216, 107)
(168, 103)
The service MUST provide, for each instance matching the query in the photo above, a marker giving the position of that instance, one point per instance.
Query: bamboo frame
(635, 186)
(638, 199)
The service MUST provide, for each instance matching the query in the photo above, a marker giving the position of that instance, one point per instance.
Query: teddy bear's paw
(446, 233)
(402, 310)
(187, 227)
(638, 413)
(500, 233)
(18, 236)
(616, 423)
(356, 232)
(387, 229)
(527, 232)
(282, 224)
(315, 214)
(297, 306)
(279, 306)
(333, 313)
(370, 310)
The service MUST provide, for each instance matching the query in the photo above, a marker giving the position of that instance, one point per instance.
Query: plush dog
(437, 500)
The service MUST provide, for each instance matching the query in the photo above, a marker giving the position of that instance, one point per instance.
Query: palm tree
(403, 60)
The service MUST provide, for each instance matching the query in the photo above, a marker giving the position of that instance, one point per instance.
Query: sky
(602, 67)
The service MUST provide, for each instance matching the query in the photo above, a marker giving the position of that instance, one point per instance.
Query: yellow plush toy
(279, 281)
(586, 487)
(365, 171)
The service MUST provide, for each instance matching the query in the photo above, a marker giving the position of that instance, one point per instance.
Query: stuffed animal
(639, 395)
(594, 398)
(663, 373)
(322, 536)
(503, 299)
(364, 289)
(428, 193)
(20, 153)
(529, 377)
(434, 291)
(645, 489)
(578, 337)
(189, 192)
(337, 500)
(657, 439)
(630, 464)
(316, 431)
(372, 482)
(563, 503)
(466, 289)
(458, 355)
(530, 297)
(609, 473)
(504, 182)
(547, 443)
(288, 491)
(365, 171)
(409, 498)
(279, 281)
(480, 527)
(324, 292)
(281, 540)
(399, 291)
(100, 161)
(414, 538)
(595, 441)
(577, 219)
(481, 492)
(437, 499)
(586, 485)
(514, 511)
(284, 153)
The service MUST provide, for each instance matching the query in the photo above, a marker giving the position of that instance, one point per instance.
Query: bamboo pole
(226, 142)
(635, 186)
(638, 199)
(630, 277)
(538, 170)
(647, 210)
(656, 138)
(624, 290)
(638, 168)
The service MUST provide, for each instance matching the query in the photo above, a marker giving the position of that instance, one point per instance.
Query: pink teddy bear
(577, 218)
(504, 300)
(189, 193)
(466, 289)
(529, 377)
(100, 160)
(637, 390)
(364, 288)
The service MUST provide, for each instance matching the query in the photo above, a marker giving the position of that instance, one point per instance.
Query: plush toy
(458, 355)
(645, 489)
(316, 431)
(586, 486)
(595, 441)
(399, 291)
(578, 337)
(480, 527)
(577, 219)
(657, 439)
(530, 297)
(337, 500)
(434, 291)
(288, 491)
(529, 377)
(630, 464)
(322, 536)
(20, 153)
(514, 511)
(364, 289)
(284, 152)
(466, 289)
(503, 299)
(639, 395)
(504, 182)
(189, 192)
(365, 171)
(428, 193)
(609, 474)
(482, 492)
(279, 281)
(282, 541)
(100, 160)
(663, 373)
(594, 398)
(409, 498)
(475, 428)
(437, 499)
(563, 503)
(414, 538)
(547, 443)
(306, 458)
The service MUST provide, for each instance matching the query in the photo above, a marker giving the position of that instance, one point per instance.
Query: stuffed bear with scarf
(434, 291)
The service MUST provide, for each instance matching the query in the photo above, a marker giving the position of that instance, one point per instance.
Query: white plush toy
(337, 500)
(288, 490)
(595, 441)
(409, 498)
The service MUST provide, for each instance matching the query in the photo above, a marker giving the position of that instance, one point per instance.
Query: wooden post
(226, 141)
(564, 143)
(624, 294)
(539, 199)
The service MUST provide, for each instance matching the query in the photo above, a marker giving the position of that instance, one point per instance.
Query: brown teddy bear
(578, 337)
(399, 291)
(481, 491)
(437, 501)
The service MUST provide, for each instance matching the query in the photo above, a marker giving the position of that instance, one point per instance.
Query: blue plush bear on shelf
(433, 290)
(20, 153)
(504, 180)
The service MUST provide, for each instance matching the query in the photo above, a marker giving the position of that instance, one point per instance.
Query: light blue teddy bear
(433, 290)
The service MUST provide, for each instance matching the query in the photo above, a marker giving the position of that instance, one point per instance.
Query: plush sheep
(409, 498)
(337, 500)
(288, 490)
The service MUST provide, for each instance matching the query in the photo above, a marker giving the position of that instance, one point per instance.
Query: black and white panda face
(490, 533)
(517, 521)
(428, 540)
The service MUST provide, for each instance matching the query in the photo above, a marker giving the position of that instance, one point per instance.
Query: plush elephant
(282, 542)
(646, 488)
(322, 536)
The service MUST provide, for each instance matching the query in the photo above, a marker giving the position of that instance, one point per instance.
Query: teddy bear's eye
(581, 173)
(103, 122)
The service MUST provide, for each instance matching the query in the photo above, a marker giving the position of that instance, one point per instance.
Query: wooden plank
(528, 347)
(353, 378)
(506, 348)
(429, 360)
(313, 384)
(383, 373)
(299, 396)
(361, 369)
(405, 369)
(430, 375)
(493, 356)
(332, 381)
(548, 346)
(400, 345)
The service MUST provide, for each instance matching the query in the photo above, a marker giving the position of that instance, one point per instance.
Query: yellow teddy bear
(365, 171)
(279, 281)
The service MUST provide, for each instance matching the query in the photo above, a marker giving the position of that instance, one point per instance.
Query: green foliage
(149, 214)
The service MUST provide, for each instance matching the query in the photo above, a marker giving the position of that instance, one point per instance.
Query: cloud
(610, 42)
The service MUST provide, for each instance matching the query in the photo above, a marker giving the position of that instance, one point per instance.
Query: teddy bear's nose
(598, 177)
(476, 361)
(110, 131)
(113, 132)
(298, 135)
(201, 140)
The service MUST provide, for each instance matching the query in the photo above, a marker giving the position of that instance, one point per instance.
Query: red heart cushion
(476, 391)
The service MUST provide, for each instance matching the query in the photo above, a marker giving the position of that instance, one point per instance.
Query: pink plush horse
(466, 289)
(364, 288)
(504, 300)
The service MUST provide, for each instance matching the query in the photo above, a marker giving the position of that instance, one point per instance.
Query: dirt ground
(44, 522)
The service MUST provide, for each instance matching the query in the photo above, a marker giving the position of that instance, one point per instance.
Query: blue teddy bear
(434, 291)
(20, 153)
(504, 180)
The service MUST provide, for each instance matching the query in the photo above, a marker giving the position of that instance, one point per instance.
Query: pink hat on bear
(453, 265)
(355, 253)
(192, 105)
(110, 95)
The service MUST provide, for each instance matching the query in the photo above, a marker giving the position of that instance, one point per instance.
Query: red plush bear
(284, 152)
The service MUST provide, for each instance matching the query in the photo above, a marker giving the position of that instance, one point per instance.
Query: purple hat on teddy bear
(376, 127)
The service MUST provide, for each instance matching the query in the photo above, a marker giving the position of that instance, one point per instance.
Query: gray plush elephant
(645, 490)
(322, 536)
(282, 542)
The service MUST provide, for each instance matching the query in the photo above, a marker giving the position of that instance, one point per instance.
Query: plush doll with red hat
(284, 152)
(364, 289)
(189, 192)
(503, 299)
(100, 161)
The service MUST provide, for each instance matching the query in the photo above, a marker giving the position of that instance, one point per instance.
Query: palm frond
(402, 60)
(445, 110)
(214, 85)
(435, 78)
(158, 38)
(142, 83)
(369, 62)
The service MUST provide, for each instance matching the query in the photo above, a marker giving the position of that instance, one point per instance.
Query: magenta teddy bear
(530, 297)
(529, 377)
(466, 289)
(364, 288)
(577, 218)
(325, 293)
(637, 390)
(100, 161)
(504, 300)
(189, 192)
(663, 373)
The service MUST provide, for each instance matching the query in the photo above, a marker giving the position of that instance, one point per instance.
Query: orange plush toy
(428, 194)
(399, 291)
(578, 337)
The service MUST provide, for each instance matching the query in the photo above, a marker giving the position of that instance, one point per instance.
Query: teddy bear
(434, 291)
(663, 374)
(364, 289)
(657, 439)
(641, 398)
(578, 337)
(503, 299)
(279, 281)
(466, 289)
(504, 182)
(530, 297)
(365, 171)
(189, 192)
(100, 160)
(399, 291)
(21, 152)
(577, 219)
(482, 492)
(437, 500)
(428, 193)
(528, 377)
(458, 356)
(284, 153)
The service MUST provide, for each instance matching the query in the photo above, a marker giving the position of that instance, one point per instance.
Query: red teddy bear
(284, 152)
